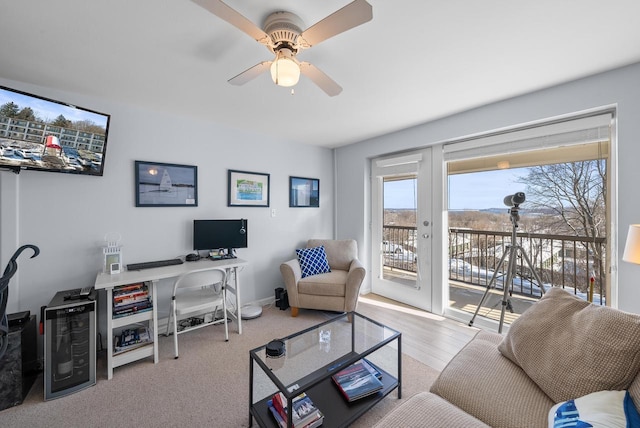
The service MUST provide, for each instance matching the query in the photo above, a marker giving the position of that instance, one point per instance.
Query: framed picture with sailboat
(166, 185)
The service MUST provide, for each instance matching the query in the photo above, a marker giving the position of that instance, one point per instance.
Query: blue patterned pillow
(313, 261)
(599, 409)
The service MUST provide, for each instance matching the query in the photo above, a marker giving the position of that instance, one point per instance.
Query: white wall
(619, 87)
(67, 216)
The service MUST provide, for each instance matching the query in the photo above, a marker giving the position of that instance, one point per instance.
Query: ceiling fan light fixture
(285, 70)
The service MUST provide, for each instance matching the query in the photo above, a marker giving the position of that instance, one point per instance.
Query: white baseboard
(262, 302)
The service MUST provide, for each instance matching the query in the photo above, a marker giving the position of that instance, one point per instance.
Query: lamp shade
(285, 71)
(632, 248)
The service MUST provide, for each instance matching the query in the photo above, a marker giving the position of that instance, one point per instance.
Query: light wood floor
(428, 338)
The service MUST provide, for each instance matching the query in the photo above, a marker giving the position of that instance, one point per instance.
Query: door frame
(420, 162)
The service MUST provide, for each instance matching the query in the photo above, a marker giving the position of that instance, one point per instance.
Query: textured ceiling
(416, 61)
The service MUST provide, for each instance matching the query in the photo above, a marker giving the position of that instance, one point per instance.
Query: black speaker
(282, 300)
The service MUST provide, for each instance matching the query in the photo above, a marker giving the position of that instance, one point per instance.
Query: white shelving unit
(113, 324)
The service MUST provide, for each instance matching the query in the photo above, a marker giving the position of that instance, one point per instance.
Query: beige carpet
(207, 386)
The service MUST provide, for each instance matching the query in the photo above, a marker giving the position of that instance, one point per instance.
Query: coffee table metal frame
(309, 370)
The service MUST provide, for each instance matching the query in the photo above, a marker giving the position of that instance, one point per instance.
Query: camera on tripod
(514, 200)
(512, 251)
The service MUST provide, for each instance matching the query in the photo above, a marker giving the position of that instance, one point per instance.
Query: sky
(479, 190)
(49, 110)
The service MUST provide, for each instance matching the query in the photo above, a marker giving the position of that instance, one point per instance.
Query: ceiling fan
(283, 36)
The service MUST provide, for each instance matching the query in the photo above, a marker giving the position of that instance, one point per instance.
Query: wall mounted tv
(47, 135)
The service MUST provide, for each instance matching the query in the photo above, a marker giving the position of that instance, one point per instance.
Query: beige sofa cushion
(426, 410)
(324, 284)
(480, 381)
(571, 348)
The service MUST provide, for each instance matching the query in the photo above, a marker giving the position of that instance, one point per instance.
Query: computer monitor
(220, 234)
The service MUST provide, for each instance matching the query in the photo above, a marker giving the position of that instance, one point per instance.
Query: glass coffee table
(312, 356)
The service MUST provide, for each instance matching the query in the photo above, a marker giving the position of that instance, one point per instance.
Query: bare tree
(575, 193)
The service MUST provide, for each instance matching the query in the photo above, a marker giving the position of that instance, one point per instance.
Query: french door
(401, 232)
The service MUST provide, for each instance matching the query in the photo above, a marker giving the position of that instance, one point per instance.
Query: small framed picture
(114, 268)
(166, 185)
(112, 260)
(248, 189)
(304, 192)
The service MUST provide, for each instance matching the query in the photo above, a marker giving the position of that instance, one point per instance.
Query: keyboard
(156, 264)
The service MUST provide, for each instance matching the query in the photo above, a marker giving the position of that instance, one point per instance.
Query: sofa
(561, 353)
(334, 288)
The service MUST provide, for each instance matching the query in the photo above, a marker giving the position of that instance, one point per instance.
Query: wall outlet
(273, 212)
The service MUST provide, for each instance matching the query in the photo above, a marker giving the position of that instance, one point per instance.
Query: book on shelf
(128, 299)
(139, 293)
(128, 289)
(132, 308)
(121, 349)
(305, 413)
(138, 302)
(358, 380)
(125, 303)
(131, 338)
(316, 423)
(276, 415)
(132, 312)
(131, 301)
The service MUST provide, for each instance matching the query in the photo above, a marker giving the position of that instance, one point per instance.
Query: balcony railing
(399, 247)
(575, 263)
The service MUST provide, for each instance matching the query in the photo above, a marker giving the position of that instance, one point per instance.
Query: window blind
(399, 160)
(396, 165)
(579, 131)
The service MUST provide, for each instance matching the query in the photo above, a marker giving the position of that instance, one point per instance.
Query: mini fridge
(69, 343)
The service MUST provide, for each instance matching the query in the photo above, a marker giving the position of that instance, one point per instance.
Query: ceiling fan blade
(250, 73)
(323, 81)
(355, 13)
(233, 17)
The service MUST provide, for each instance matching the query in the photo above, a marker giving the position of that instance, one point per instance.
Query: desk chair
(197, 293)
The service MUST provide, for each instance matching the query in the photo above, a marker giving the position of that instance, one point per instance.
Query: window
(562, 228)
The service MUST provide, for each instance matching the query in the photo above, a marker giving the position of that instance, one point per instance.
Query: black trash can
(282, 300)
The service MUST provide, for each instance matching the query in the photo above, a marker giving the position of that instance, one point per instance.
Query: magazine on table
(358, 380)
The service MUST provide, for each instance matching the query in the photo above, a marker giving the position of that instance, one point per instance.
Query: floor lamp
(632, 248)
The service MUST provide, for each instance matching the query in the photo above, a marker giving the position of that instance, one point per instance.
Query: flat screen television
(220, 235)
(47, 135)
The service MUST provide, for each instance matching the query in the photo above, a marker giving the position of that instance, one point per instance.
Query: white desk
(105, 281)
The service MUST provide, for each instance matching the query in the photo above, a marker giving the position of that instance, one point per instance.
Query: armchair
(333, 291)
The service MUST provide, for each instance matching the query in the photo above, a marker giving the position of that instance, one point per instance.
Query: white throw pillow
(602, 409)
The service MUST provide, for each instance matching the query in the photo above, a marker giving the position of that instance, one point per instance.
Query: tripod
(511, 251)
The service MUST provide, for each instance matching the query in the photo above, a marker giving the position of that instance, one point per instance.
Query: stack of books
(305, 413)
(359, 380)
(131, 338)
(131, 299)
